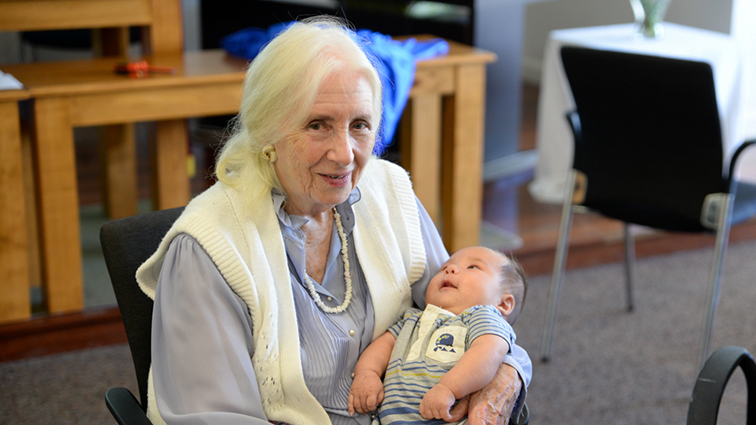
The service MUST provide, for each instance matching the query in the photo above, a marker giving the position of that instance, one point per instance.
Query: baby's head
(479, 276)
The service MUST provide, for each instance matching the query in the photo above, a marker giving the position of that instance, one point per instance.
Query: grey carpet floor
(613, 367)
(607, 367)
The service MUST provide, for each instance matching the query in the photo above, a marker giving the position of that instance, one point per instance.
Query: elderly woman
(274, 280)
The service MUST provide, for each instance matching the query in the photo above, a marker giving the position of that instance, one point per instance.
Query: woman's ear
(506, 304)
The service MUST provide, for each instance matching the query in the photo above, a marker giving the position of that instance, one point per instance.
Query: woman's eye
(361, 125)
(315, 126)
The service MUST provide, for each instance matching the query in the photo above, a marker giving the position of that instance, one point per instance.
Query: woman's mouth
(337, 179)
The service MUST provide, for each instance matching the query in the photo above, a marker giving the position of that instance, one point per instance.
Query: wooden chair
(161, 29)
(110, 20)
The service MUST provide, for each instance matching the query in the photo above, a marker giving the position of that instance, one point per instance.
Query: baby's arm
(367, 388)
(474, 371)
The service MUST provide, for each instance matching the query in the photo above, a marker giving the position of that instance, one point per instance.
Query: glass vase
(649, 16)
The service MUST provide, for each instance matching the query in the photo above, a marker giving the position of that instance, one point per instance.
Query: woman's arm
(201, 344)
(494, 404)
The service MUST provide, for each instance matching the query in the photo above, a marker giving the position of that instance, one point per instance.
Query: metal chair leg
(565, 226)
(724, 218)
(629, 267)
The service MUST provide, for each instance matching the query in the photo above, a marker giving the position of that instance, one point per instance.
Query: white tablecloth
(553, 135)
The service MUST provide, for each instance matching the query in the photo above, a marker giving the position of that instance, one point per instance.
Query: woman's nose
(341, 148)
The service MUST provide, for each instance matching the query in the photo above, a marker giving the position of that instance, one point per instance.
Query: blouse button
(351, 332)
(352, 375)
(329, 299)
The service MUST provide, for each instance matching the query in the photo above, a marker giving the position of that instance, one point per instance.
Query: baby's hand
(437, 402)
(366, 393)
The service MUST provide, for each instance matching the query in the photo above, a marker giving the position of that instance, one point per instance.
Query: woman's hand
(493, 404)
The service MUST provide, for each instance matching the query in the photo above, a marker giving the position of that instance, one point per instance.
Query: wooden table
(442, 140)
(444, 127)
(86, 93)
(14, 266)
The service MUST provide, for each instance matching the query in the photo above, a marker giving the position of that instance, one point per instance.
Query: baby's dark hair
(514, 282)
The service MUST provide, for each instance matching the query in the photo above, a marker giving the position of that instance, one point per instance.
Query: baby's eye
(473, 266)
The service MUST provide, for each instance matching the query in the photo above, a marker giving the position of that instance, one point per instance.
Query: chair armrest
(524, 418)
(711, 383)
(125, 408)
(734, 160)
(573, 119)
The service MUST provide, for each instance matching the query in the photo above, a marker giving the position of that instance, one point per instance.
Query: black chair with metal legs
(648, 151)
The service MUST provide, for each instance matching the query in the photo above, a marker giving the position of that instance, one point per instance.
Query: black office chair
(648, 151)
(711, 383)
(126, 244)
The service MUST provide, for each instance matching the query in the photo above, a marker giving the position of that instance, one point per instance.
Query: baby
(434, 357)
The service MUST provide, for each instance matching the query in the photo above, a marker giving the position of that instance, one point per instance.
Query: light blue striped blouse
(202, 332)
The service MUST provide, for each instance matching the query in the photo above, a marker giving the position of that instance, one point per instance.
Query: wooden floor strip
(45, 334)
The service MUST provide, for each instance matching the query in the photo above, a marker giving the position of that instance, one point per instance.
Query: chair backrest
(126, 244)
(160, 20)
(647, 137)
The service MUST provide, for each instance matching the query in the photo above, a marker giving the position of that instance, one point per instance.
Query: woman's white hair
(280, 88)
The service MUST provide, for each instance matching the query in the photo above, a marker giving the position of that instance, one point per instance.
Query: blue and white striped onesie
(428, 344)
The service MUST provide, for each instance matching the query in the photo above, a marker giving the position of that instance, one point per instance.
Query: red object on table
(140, 69)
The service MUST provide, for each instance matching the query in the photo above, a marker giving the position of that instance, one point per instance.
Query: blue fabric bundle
(394, 60)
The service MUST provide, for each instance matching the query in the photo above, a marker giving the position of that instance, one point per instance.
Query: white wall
(541, 18)
(744, 29)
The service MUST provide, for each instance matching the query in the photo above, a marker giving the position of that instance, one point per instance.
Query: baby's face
(470, 277)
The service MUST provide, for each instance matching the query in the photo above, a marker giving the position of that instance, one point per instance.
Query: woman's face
(321, 161)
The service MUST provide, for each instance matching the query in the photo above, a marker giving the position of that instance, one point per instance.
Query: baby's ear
(506, 304)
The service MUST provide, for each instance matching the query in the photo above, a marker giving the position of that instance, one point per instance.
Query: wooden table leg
(14, 272)
(30, 206)
(58, 202)
(170, 180)
(118, 163)
(462, 181)
(420, 150)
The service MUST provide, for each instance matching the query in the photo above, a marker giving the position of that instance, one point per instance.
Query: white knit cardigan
(246, 245)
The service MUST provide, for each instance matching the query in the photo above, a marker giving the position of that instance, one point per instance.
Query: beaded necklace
(347, 275)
